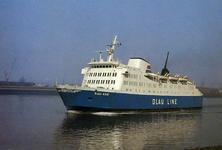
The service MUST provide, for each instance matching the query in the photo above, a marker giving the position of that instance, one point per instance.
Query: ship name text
(164, 101)
(101, 94)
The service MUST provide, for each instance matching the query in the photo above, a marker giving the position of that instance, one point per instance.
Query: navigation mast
(112, 48)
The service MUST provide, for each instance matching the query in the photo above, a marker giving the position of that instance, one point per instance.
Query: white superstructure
(134, 78)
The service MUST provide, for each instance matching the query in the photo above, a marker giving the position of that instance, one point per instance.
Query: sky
(57, 38)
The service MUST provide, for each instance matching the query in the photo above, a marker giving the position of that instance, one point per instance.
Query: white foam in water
(115, 113)
(106, 113)
(75, 112)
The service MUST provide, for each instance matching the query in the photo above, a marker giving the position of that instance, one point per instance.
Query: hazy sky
(57, 38)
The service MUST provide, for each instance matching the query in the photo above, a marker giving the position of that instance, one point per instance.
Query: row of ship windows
(141, 84)
(158, 92)
(103, 66)
(114, 74)
(135, 76)
(104, 74)
(101, 82)
(153, 85)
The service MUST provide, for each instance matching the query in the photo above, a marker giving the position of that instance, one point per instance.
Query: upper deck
(133, 78)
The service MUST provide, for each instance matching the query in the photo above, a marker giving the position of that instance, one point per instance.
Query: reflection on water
(41, 122)
(161, 130)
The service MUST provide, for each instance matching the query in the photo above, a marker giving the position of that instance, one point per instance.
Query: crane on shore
(6, 74)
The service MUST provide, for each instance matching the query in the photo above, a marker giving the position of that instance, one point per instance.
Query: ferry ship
(112, 86)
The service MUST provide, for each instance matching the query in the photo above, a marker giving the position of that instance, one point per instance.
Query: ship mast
(112, 48)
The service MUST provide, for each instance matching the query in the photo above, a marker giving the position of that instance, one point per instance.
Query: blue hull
(103, 101)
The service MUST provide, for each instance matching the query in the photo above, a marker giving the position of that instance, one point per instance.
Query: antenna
(100, 55)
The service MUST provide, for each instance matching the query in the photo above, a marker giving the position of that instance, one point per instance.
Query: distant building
(209, 90)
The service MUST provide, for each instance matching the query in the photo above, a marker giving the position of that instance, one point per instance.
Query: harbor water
(41, 122)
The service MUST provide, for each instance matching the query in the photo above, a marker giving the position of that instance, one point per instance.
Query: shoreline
(27, 90)
(206, 148)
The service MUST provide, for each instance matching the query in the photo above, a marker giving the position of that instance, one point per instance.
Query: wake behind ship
(112, 86)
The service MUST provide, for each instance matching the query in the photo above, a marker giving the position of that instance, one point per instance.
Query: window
(130, 83)
(95, 74)
(114, 74)
(127, 75)
(112, 81)
(107, 81)
(125, 82)
(104, 74)
(140, 84)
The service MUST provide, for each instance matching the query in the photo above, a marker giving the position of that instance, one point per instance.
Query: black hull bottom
(91, 109)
